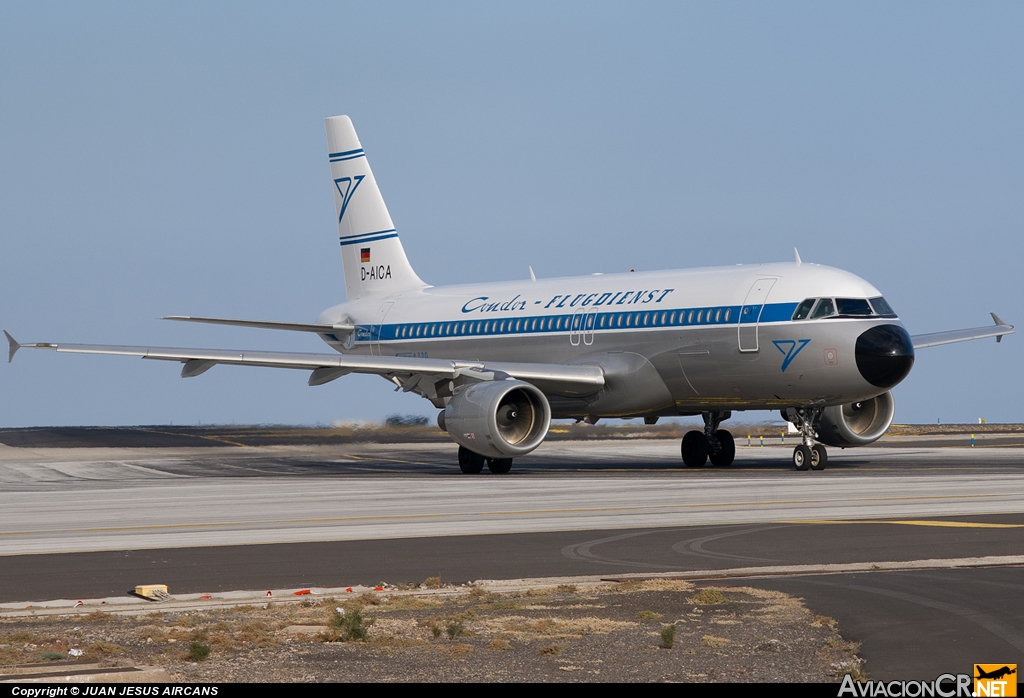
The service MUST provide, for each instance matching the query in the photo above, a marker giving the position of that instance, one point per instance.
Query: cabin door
(377, 327)
(750, 314)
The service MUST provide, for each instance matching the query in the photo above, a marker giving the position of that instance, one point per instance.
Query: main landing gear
(714, 444)
(809, 454)
(472, 463)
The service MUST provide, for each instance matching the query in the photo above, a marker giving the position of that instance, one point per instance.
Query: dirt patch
(615, 632)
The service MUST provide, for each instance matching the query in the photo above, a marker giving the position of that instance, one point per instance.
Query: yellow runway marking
(941, 524)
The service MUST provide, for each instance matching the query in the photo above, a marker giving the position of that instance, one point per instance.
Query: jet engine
(856, 423)
(497, 419)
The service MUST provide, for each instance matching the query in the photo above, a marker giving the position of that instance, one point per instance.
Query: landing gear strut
(809, 454)
(472, 463)
(713, 443)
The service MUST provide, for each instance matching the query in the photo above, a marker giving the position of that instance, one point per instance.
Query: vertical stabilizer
(374, 260)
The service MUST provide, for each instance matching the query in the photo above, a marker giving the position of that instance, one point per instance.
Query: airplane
(996, 673)
(501, 360)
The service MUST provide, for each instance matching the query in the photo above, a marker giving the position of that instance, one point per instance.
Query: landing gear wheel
(499, 466)
(695, 449)
(727, 453)
(469, 462)
(819, 457)
(802, 457)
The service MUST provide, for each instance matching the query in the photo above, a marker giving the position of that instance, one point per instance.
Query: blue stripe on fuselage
(716, 316)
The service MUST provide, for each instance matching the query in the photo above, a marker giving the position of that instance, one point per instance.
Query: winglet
(998, 320)
(796, 253)
(14, 347)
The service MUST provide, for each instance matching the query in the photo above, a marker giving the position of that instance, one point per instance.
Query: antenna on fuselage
(533, 277)
(796, 253)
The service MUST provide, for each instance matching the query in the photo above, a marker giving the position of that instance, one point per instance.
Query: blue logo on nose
(789, 347)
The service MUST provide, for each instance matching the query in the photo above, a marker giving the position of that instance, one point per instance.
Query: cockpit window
(825, 308)
(804, 309)
(853, 306)
(882, 308)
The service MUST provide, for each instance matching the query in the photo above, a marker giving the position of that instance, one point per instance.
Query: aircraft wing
(934, 339)
(409, 373)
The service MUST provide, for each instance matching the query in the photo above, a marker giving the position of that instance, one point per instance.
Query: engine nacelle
(856, 423)
(498, 419)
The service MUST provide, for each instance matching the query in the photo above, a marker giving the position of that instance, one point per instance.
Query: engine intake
(498, 419)
(856, 423)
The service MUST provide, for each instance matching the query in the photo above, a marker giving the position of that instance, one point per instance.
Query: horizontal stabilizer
(934, 339)
(266, 324)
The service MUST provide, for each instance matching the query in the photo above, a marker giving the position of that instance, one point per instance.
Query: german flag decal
(364, 255)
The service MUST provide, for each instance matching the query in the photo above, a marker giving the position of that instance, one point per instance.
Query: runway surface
(87, 522)
(74, 500)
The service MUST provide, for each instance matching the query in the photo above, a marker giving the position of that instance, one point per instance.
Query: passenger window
(853, 306)
(718, 315)
(728, 312)
(804, 309)
(700, 316)
(825, 308)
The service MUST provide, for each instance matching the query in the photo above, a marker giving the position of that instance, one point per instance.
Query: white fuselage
(670, 342)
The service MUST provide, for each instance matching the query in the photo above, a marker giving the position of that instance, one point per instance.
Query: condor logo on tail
(347, 187)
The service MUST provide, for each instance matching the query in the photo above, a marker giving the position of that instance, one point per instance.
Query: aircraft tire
(499, 466)
(727, 454)
(469, 462)
(801, 457)
(695, 449)
(819, 457)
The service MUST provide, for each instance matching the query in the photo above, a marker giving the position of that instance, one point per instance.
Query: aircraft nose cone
(885, 355)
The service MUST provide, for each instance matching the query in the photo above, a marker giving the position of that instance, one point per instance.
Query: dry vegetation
(634, 631)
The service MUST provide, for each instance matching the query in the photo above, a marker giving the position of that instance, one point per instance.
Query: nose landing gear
(809, 454)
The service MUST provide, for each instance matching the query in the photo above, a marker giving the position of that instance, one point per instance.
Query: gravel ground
(607, 632)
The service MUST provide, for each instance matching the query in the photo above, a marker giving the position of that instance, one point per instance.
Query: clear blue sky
(169, 159)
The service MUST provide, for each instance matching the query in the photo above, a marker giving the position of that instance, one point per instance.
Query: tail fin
(374, 260)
